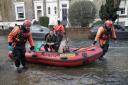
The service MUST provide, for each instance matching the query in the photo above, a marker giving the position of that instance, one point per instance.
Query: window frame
(19, 4)
(122, 11)
(55, 10)
(49, 10)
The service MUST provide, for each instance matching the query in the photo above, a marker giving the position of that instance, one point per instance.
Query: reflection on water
(113, 71)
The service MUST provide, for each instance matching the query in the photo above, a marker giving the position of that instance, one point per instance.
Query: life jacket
(21, 38)
(106, 34)
(59, 28)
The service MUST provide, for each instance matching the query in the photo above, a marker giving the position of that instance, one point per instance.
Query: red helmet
(108, 23)
(27, 23)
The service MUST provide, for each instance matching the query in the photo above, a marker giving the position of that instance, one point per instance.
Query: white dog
(63, 46)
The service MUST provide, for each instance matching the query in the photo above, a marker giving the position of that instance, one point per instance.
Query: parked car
(39, 32)
(94, 29)
(119, 27)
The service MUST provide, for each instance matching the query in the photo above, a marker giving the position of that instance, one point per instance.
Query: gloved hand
(10, 48)
(94, 43)
(33, 49)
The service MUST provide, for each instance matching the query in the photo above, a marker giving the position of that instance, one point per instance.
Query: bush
(98, 23)
(44, 21)
(108, 11)
(82, 13)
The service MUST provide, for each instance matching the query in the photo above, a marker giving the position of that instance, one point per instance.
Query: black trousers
(55, 47)
(104, 48)
(19, 56)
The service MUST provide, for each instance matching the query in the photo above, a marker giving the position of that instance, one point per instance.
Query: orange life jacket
(59, 28)
(103, 35)
(18, 37)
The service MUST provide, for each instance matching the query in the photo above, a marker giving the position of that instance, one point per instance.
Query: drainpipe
(68, 22)
(44, 7)
(58, 6)
(33, 15)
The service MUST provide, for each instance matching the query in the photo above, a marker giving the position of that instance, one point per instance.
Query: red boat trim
(63, 60)
(85, 58)
(94, 55)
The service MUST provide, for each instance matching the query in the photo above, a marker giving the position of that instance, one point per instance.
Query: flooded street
(112, 71)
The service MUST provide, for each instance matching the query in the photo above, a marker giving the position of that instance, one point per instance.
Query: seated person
(51, 42)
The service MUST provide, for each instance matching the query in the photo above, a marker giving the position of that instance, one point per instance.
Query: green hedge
(98, 23)
(44, 21)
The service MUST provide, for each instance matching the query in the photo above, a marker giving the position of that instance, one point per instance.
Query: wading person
(103, 36)
(51, 42)
(17, 39)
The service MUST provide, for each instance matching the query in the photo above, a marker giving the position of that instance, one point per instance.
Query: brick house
(17, 10)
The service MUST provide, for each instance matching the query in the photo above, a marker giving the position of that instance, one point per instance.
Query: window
(64, 5)
(64, 14)
(122, 10)
(39, 13)
(49, 10)
(38, 7)
(55, 10)
(19, 10)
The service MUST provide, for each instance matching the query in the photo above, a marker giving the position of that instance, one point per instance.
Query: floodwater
(112, 71)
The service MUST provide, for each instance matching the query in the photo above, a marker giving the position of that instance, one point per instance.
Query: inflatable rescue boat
(76, 56)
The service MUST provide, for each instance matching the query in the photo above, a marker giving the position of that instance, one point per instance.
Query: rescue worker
(103, 36)
(17, 39)
(51, 42)
(59, 30)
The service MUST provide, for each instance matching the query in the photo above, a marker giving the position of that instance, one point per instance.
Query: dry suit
(103, 36)
(18, 38)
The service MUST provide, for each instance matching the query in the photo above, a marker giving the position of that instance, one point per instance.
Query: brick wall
(78, 33)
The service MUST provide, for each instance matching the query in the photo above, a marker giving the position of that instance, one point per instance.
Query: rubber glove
(10, 48)
(33, 49)
(94, 42)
